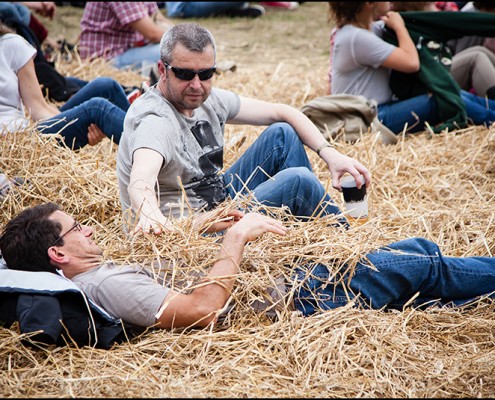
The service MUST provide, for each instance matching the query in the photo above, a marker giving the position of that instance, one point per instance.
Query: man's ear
(57, 256)
(161, 67)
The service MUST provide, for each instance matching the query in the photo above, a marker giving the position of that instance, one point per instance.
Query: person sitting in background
(473, 68)
(411, 272)
(362, 62)
(127, 34)
(96, 111)
(202, 9)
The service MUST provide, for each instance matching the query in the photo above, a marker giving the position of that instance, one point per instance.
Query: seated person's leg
(77, 81)
(404, 269)
(414, 112)
(202, 9)
(106, 88)
(24, 12)
(12, 12)
(276, 149)
(137, 57)
(73, 124)
(300, 190)
(479, 110)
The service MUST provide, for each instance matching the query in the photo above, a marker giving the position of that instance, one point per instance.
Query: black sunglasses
(189, 74)
(77, 226)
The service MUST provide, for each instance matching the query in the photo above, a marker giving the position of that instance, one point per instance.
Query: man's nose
(195, 82)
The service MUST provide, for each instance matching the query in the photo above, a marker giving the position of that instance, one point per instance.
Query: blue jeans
(396, 114)
(419, 267)
(102, 102)
(16, 12)
(137, 57)
(77, 81)
(480, 110)
(201, 9)
(276, 169)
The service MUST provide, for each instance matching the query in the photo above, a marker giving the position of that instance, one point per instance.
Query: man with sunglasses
(171, 152)
(409, 272)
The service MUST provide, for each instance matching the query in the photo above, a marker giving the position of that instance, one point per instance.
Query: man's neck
(78, 266)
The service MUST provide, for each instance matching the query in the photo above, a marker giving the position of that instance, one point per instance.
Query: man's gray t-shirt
(192, 149)
(356, 63)
(132, 294)
(124, 291)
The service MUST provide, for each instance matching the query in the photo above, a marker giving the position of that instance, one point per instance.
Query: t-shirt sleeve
(151, 133)
(230, 100)
(134, 298)
(369, 49)
(127, 11)
(20, 52)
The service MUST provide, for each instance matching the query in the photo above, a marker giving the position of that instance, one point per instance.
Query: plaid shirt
(105, 30)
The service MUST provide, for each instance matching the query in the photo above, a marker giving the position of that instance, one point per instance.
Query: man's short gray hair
(190, 35)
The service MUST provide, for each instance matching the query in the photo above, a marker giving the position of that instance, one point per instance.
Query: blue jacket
(53, 310)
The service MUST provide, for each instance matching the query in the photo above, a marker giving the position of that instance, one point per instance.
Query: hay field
(440, 187)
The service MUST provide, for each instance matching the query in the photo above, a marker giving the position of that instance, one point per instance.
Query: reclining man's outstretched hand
(254, 225)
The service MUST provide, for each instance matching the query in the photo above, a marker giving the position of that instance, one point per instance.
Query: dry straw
(440, 187)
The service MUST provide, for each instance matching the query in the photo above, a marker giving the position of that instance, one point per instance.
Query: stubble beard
(180, 102)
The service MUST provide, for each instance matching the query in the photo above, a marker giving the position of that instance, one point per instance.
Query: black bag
(53, 84)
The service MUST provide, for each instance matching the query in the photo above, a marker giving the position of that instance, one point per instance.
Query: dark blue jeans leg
(77, 81)
(277, 170)
(18, 13)
(396, 114)
(106, 88)
(73, 124)
(276, 149)
(480, 110)
(404, 269)
(202, 9)
(300, 190)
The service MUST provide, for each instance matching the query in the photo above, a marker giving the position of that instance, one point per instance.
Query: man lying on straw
(173, 142)
(44, 238)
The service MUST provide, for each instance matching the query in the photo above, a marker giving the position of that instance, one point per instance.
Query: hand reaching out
(253, 226)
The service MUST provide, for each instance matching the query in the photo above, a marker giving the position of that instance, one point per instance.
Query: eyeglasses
(189, 74)
(77, 226)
